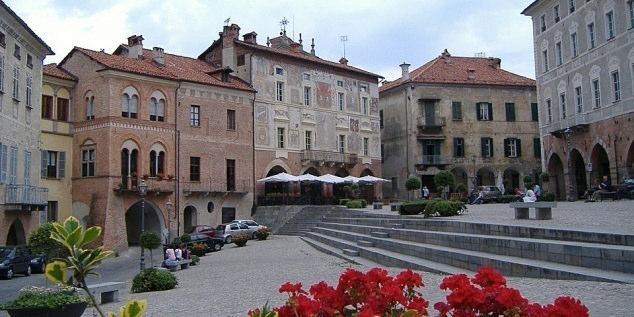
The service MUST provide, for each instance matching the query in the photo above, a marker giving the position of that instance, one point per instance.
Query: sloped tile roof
(54, 71)
(48, 49)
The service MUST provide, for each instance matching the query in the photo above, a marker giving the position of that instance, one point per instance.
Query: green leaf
(56, 272)
(90, 235)
(70, 224)
(73, 238)
(134, 308)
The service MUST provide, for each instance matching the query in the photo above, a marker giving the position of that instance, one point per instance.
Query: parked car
(38, 263)
(204, 229)
(213, 243)
(228, 230)
(253, 226)
(14, 260)
(490, 193)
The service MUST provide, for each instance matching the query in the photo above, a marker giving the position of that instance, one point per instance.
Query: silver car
(253, 226)
(228, 230)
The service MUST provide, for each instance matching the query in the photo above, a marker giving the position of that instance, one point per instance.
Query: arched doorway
(276, 193)
(153, 221)
(485, 177)
(461, 176)
(338, 190)
(511, 180)
(367, 191)
(189, 218)
(16, 234)
(556, 183)
(600, 163)
(629, 162)
(579, 172)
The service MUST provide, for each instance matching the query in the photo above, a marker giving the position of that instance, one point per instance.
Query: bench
(543, 209)
(107, 292)
(605, 195)
(377, 205)
(184, 264)
(395, 206)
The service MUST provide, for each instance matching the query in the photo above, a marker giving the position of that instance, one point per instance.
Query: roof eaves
(530, 7)
(26, 26)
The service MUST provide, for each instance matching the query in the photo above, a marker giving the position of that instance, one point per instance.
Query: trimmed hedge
(152, 280)
(356, 203)
(548, 197)
(444, 208)
(344, 202)
(413, 207)
(505, 199)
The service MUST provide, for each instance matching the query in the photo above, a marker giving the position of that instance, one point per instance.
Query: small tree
(444, 179)
(186, 238)
(528, 181)
(40, 242)
(150, 240)
(412, 184)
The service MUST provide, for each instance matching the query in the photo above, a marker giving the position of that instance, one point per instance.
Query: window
(486, 147)
(340, 101)
(537, 148)
(231, 119)
(591, 36)
(630, 6)
(157, 163)
(16, 82)
(363, 88)
(62, 109)
(609, 24)
(88, 162)
(381, 119)
(596, 88)
(27, 168)
(571, 5)
(194, 169)
(342, 143)
(47, 107)
(616, 86)
(579, 99)
(29, 90)
(157, 109)
(484, 111)
(307, 95)
(16, 52)
(51, 211)
(458, 147)
(308, 140)
(366, 146)
(3, 162)
(556, 13)
(573, 45)
(29, 61)
(456, 111)
(129, 104)
(510, 111)
(27, 115)
(280, 137)
(560, 59)
(549, 110)
(545, 60)
(53, 164)
(382, 152)
(562, 104)
(13, 165)
(3, 40)
(231, 175)
(542, 21)
(1, 72)
(279, 71)
(306, 76)
(364, 104)
(339, 83)
(534, 112)
(90, 108)
(194, 116)
(512, 147)
(280, 91)
(241, 60)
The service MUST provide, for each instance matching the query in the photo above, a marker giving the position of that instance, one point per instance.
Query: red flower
(489, 277)
(292, 289)
(418, 304)
(510, 298)
(566, 307)
(409, 278)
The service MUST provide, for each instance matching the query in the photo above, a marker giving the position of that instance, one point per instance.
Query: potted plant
(240, 239)
(170, 176)
(146, 176)
(159, 177)
(412, 184)
(150, 240)
(263, 233)
(51, 302)
(199, 249)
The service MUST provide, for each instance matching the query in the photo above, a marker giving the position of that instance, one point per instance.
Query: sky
(381, 34)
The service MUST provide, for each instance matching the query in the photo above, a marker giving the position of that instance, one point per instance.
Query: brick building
(311, 115)
(149, 116)
(584, 65)
(462, 114)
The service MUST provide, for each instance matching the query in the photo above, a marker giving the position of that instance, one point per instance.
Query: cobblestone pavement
(607, 216)
(231, 282)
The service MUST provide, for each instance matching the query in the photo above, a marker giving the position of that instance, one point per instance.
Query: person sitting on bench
(530, 196)
(604, 187)
(170, 257)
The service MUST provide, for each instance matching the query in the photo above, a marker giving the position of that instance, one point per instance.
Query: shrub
(412, 183)
(444, 179)
(461, 188)
(444, 208)
(413, 207)
(150, 240)
(152, 280)
(356, 203)
(40, 242)
(548, 196)
(199, 249)
(263, 233)
(505, 199)
(528, 180)
(186, 238)
(545, 177)
(240, 239)
(41, 297)
(343, 202)
(195, 260)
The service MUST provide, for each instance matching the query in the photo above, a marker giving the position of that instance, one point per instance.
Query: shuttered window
(484, 111)
(486, 147)
(512, 147)
(458, 147)
(456, 110)
(510, 111)
(537, 148)
(534, 112)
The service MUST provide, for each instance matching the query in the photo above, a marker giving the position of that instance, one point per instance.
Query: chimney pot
(312, 47)
(343, 61)
(445, 53)
(404, 71)
(135, 46)
(495, 62)
(158, 55)
(250, 37)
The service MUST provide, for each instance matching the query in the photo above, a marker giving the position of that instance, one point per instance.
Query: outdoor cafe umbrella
(352, 179)
(331, 179)
(279, 178)
(307, 178)
(372, 179)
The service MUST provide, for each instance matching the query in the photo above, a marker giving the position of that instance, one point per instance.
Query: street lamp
(142, 188)
(169, 205)
(567, 136)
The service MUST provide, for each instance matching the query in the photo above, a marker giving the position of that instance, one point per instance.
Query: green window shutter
(507, 148)
(44, 163)
(456, 109)
(3, 163)
(491, 143)
(519, 147)
(61, 164)
(478, 113)
(534, 112)
(483, 149)
(490, 105)
(537, 148)
(510, 111)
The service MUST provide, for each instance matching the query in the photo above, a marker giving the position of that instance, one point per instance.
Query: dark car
(213, 243)
(14, 260)
(38, 263)
(204, 229)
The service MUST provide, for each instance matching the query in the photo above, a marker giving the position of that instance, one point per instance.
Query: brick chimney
(296, 47)
(250, 37)
(135, 46)
(343, 61)
(158, 55)
(471, 75)
(404, 71)
(495, 62)
(230, 33)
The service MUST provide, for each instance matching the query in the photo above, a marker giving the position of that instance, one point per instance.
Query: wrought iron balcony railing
(25, 195)
(329, 157)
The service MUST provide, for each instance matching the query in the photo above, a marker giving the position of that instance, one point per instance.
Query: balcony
(329, 157)
(25, 197)
(216, 186)
(432, 160)
(154, 185)
(430, 128)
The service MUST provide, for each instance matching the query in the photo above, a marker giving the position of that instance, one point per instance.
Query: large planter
(71, 310)
(240, 243)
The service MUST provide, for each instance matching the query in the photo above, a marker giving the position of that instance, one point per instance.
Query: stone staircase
(450, 246)
(294, 220)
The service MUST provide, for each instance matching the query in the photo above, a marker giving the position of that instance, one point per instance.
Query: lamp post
(142, 188)
(169, 205)
(571, 188)
(475, 175)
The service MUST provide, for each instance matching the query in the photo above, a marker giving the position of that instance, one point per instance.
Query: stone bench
(543, 209)
(605, 195)
(107, 292)
(377, 205)
(183, 264)
(395, 207)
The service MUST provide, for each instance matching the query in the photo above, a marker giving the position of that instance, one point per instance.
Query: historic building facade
(584, 64)
(311, 115)
(21, 196)
(462, 114)
(152, 117)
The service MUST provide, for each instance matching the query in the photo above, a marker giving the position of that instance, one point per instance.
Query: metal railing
(25, 195)
(217, 185)
(329, 156)
(434, 160)
(428, 123)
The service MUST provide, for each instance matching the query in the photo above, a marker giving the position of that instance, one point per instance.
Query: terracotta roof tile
(55, 71)
(456, 70)
(176, 67)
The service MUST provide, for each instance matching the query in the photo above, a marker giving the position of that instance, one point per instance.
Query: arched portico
(556, 183)
(153, 220)
(16, 235)
(485, 177)
(578, 173)
(600, 163)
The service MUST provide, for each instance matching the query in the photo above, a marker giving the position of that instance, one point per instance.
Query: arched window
(129, 103)
(157, 107)
(90, 106)
(157, 162)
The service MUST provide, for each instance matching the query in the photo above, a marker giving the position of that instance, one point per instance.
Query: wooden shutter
(507, 147)
(518, 147)
(537, 151)
(491, 145)
(44, 163)
(483, 147)
(478, 110)
(490, 105)
(455, 147)
(534, 112)
(61, 164)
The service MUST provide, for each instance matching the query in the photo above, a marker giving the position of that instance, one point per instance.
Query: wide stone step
(350, 252)
(363, 243)
(591, 255)
(506, 230)
(472, 260)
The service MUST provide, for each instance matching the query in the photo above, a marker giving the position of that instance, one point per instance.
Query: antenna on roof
(227, 21)
(480, 54)
(283, 24)
(344, 39)
(293, 27)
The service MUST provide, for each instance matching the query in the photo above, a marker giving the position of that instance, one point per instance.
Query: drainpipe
(178, 164)
(616, 161)
(254, 204)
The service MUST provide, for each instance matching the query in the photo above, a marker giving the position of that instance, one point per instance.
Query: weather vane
(344, 39)
(227, 21)
(283, 24)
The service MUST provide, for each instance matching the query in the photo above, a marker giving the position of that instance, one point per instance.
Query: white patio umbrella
(308, 178)
(332, 179)
(279, 178)
(351, 179)
(500, 182)
(372, 179)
